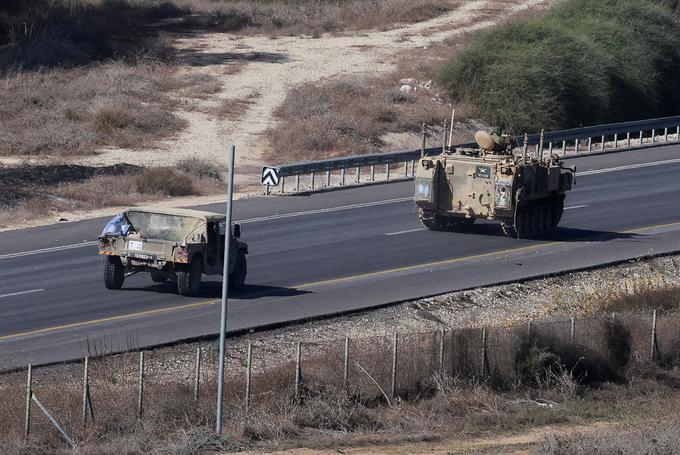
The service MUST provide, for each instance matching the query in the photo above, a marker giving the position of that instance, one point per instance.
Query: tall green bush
(583, 62)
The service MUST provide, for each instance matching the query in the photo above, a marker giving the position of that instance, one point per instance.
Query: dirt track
(260, 70)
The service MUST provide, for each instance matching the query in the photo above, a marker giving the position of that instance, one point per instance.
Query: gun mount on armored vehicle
(526, 194)
(176, 245)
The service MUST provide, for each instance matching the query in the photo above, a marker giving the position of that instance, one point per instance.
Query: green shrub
(583, 62)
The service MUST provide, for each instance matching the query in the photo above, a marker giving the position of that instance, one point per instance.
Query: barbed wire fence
(385, 367)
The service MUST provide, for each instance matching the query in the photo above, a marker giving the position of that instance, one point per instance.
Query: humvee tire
(114, 272)
(238, 278)
(157, 277)
(189, 278)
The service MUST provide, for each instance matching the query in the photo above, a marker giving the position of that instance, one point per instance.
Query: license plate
(135, 245)
(142, 256)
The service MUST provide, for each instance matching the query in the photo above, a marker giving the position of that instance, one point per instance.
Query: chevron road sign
(271, 175)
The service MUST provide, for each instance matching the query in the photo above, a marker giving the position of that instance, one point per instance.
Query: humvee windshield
(164, 227)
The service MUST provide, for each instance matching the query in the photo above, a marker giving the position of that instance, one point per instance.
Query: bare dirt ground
(256, 72)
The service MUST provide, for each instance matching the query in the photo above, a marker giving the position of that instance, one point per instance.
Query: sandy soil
(509, 444)
(262, 69)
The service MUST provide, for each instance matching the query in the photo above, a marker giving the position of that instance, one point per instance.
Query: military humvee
(173, 245)
(526, 194)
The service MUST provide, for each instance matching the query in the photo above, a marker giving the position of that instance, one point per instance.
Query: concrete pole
(225, 291)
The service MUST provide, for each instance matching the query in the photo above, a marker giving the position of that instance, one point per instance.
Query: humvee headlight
(424, 190)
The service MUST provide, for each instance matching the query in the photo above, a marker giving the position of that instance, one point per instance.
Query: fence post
(393, 389)
(54, 422)
(197, 376)
(140, 396)
(442, 333)
(249, 366)
(29, 394)
(298, 373)
(86, 391)
(573, 329)
(628, 139)
(653, 347)
(483, 351)
(422, 140)
(345, 366)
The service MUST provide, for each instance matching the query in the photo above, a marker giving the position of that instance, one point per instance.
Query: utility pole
(225, 289)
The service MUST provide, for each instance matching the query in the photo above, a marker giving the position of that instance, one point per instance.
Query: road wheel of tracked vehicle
(432, 221)
(558, 210)
(238, 277)
(157, 277)
(189, 278)
(509, 230)
(114, 272)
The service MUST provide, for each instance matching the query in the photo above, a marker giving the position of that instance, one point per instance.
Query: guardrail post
(616, 140)
(576, 145)
(641, 137)
(653, 135)
(283, 184)
(311, 181)
(564, 148)
(358, 174)
(550, 147)
(628, 139)
(665, 134)
(387, 171)
(342, 177)
(590, 144)
(677, 134)
(413, 168)
(372, 173)
(602, 143)
(297, 182)
(328, 179)
(405, 169)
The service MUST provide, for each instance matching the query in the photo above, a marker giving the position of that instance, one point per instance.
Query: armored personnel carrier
(494, 181)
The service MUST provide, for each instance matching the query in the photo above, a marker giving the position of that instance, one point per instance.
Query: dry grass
(355, 116)
(74, 112)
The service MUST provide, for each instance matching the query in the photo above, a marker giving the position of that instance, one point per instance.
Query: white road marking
(405, 232)
(576, 207)
(338, 209)
(21, 293)
(629, 166)
(48, 250)
(327, 210)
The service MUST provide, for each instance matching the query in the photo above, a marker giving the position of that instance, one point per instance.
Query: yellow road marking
(312, 284)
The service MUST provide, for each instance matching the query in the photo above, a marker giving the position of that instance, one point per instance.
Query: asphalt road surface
(321, 254)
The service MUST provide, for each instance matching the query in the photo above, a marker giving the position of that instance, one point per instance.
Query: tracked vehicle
(494, 181)
(176, 245)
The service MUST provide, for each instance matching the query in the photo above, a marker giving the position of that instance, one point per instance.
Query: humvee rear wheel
(238, 277)
(157, 277)
(114, 272)
(189, 278)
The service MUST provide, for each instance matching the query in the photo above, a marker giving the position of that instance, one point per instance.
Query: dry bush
(73, 112)
(199, 167)
(164, 181)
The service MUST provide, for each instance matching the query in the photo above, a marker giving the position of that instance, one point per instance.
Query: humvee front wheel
(189, 278)
(431, 221)
(114, 272)
(238, 277)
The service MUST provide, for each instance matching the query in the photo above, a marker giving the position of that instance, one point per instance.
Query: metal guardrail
(333, 172)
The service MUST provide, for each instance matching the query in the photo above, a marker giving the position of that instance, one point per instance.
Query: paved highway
(314, 255)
